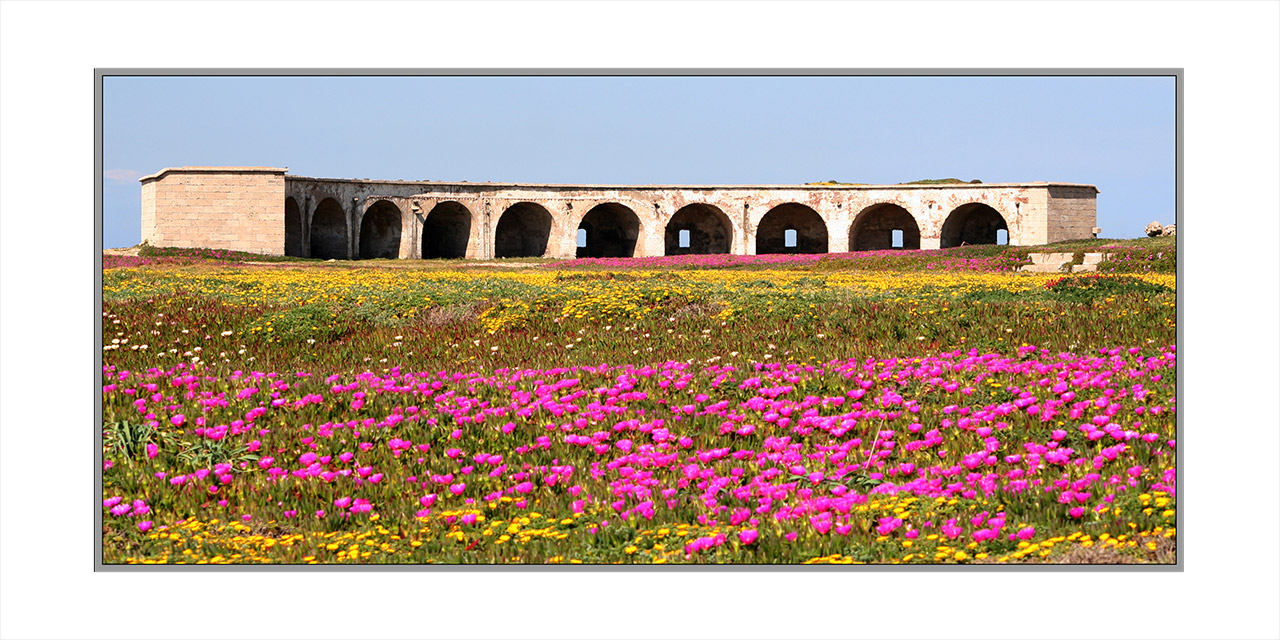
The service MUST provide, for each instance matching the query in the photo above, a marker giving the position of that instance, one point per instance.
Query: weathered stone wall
(239, 208)
(1072, 212)
(465, 217)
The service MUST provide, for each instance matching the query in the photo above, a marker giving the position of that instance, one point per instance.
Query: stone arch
(523, 231)
(380, 231)
(446, 231)
(292, 228)
(612, 231)
(710, 230)
(329, 231)
(810, 230)
(873, 228)
(972, 223)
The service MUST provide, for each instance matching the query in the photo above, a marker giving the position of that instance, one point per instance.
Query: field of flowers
(842, 409)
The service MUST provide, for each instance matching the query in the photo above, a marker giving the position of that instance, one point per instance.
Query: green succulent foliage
(125, 440)
(204, 453)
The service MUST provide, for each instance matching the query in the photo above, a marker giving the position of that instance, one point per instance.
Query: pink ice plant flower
(645, 439)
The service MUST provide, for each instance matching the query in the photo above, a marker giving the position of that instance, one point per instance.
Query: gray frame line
(101, 73)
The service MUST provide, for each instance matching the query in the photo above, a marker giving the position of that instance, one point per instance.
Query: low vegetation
(883, 407)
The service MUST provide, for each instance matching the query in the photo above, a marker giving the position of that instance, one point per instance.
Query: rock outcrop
(1155, 229)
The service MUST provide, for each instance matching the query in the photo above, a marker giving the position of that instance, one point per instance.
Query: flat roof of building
(949, 185)
(546, 185)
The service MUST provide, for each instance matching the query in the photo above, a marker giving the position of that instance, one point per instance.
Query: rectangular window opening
(582, 238)
(684, 238)
(789, 238)
(897, 239)
(1002, 236)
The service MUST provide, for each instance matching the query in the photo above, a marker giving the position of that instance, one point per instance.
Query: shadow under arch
(446, 231)
(293, 228)
(709, 231)
(809, 227)
(972, 223)
(873, 228)
(329, 231)
(612, 231)
(380, 231)
(523, 231)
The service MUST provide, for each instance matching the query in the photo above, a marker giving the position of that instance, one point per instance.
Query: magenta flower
(887, 525)
(749, 536)
(144, 526)
(457, 489)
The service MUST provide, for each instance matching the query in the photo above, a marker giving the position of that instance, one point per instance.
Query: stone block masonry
(263, 210)
(237, 208)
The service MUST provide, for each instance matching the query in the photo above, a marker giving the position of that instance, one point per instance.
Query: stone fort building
(264, 210)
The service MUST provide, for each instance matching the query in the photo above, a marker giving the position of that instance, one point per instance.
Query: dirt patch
(502, 265)
(452, 314)
(127, 251)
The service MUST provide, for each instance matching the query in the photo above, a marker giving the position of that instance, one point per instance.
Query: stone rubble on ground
(1061, 263)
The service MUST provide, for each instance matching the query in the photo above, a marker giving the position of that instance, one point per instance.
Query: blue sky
(1115, 132)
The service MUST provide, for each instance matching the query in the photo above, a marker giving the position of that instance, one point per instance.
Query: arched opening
(611, 232)
(884, 226)
(329, 231)
(523, 231)
(446, 231)
(292, 228)
(380, 231)
(698, 229)
(973, 223)
(809, 231)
